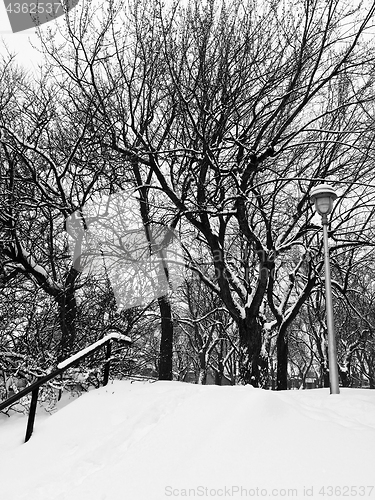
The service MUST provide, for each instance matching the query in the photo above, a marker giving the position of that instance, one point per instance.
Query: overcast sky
(18, 43)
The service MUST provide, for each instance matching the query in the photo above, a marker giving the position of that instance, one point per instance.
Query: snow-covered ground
(154, 441)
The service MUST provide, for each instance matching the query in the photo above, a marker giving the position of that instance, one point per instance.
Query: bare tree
(207, 329)
(232, 112)
(47, 172)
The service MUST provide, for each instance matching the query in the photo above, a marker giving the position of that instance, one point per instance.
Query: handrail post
(107, 363)
(30, 422)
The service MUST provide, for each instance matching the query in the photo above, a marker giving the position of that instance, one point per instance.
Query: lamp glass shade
(323, 205)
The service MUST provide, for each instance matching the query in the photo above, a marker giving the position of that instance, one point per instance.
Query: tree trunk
(253, 367)
(166, 341)
(68, 315)
(324, 375)
(202, 379)
(282, 361)
(219, 373)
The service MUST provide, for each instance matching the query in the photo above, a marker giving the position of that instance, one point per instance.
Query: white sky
(18, 43)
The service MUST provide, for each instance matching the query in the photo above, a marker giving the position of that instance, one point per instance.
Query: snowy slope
(153, 441)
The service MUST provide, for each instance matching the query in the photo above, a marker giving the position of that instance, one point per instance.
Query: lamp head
(323, 196)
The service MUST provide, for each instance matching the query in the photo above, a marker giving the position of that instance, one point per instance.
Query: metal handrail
(61, 367)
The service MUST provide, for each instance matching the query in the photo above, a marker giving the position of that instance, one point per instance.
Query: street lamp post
(323, 197)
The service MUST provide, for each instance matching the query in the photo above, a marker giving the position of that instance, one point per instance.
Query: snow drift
(153, 441)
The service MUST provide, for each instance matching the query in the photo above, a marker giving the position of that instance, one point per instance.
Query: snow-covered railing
(61, 367)
(93, 347)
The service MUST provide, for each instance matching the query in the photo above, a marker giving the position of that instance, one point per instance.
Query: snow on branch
(40, 274)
